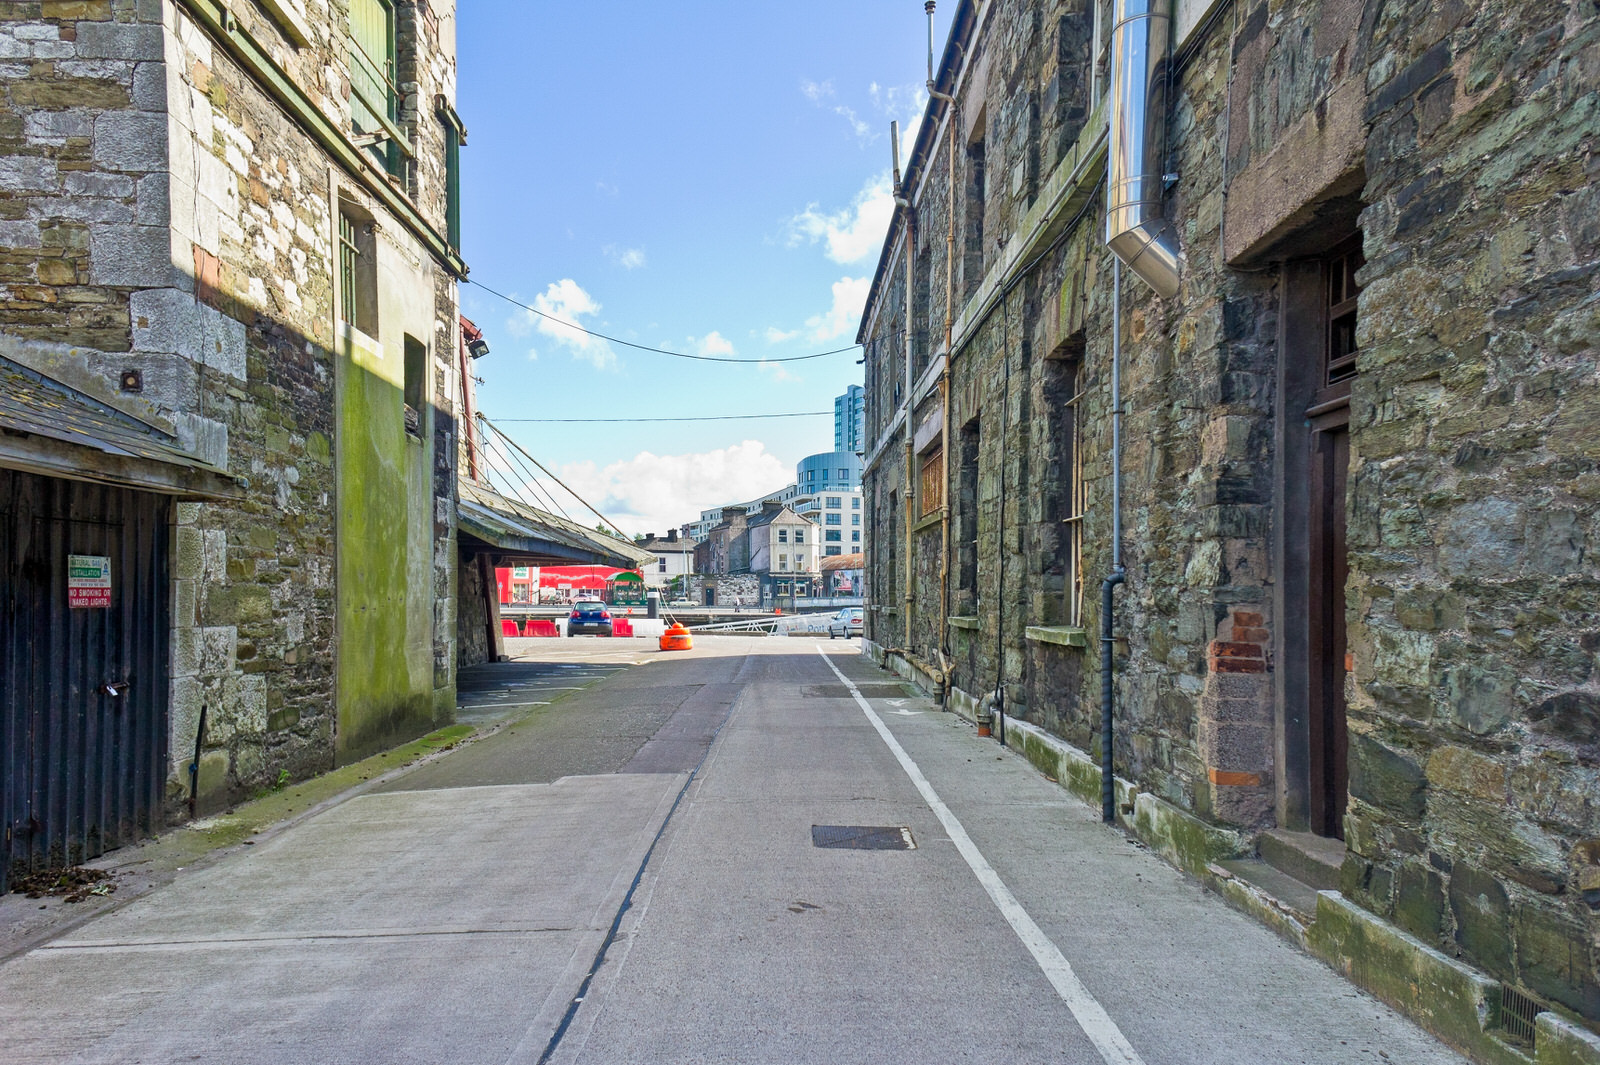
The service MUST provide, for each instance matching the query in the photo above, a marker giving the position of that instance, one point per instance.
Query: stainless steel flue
(1136, 230)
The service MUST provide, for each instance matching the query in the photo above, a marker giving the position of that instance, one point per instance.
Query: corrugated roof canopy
(50, 428)
(520, 534)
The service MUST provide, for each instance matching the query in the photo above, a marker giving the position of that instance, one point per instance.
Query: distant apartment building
(849, 420)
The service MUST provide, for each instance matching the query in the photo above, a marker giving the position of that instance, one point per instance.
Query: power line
(704, 418)
(658, 351)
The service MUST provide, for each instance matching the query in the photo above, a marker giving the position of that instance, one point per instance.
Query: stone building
(231, 231)
(1321, 432)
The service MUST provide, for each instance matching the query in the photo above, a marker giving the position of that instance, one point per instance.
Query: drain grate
(862, 837)
(1517, 1011)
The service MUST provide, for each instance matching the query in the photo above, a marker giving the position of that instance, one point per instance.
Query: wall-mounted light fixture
(478, 348)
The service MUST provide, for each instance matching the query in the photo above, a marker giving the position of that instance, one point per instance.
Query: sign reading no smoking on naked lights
(88, 580)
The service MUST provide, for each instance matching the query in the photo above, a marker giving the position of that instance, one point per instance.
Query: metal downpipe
(1108, 779)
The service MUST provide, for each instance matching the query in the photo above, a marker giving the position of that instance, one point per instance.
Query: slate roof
(34, 405)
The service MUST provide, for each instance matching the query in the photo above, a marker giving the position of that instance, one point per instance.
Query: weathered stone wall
(163, 214)
(1459, 141)
(1475, 498)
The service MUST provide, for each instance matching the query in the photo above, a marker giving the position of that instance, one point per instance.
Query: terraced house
(1232, 404)
(229, 332)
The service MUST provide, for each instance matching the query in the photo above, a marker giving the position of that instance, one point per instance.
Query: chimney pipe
(1136, 230)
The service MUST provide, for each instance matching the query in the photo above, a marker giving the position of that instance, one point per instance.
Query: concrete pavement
(452, 914)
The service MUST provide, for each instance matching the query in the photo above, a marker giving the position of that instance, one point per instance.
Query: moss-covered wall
(385, 531)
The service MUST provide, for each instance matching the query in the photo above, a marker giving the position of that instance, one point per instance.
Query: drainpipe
(909, 496)
(944, 378)
(1108, 786)
(1136, 231)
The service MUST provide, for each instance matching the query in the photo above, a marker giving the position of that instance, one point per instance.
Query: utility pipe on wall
(1108, 787)
(908, 495)
(1136, 230)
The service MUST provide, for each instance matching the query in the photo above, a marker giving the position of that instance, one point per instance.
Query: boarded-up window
(932, 482)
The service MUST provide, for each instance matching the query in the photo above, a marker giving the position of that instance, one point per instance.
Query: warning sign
(88, 580)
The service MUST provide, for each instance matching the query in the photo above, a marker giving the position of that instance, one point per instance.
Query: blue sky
(709, 178)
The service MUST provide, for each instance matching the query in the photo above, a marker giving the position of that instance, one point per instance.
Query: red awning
(587, 578)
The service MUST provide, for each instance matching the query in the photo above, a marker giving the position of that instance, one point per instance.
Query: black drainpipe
(1108, 784)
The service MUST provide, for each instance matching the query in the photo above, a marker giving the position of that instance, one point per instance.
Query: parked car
(846, 623)
(679, 604)
(589, 618)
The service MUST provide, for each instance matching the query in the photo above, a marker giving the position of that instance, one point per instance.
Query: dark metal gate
(83, 689)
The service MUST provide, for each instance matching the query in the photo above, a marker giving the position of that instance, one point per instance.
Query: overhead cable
(658, 351)
(700, 418)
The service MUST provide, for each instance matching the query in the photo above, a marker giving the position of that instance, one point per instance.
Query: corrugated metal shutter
(81, 770)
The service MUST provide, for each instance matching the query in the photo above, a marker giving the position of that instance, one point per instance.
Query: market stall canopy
(518, 534)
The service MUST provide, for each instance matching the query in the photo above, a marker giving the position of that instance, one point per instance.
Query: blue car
(589, 619)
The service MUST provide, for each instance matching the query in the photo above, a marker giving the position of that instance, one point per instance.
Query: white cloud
(566, 301)
(853, 233)
(655, 493)
(627, 258)
(778, 336)
(839, 320)
(713, 343)
(819, 92)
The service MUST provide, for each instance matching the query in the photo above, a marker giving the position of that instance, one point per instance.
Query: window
(855, 537)
(811, 475)
(522, 593)
(374, 94)
(799, 536)
(833, 502)
(966, 521)
(416, 374)
(855, 519)
(855, 503)
(783, 536)
(824, 475)
(830, 519)
(932, 482)
(1063, 493)
(832, 551)
(455, 135)
(661, 564)
(358, 272)
(1340, 362)
(844, 475)
(783, 562)
(832, 536)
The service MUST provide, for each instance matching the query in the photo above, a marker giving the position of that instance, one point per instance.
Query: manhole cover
(862, 837)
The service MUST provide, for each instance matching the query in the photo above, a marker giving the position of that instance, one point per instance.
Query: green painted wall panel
(385, 527)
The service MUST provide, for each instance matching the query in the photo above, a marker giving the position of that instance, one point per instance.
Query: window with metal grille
(358, 273)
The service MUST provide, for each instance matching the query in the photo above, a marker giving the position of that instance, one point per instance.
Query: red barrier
(621, 627)
(509, 628)
(540, 627)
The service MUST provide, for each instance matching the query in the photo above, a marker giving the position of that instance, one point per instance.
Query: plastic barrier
(540, 627)
(509, 628)
(621, 627)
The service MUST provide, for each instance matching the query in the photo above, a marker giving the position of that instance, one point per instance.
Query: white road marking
(1102, 1031)
(906, 713)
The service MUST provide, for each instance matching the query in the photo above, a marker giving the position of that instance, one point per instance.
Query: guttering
(1136, 231)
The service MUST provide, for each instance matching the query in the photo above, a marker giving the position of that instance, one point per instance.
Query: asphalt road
(630, 872)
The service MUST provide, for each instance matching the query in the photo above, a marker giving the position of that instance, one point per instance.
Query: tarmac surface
(624, 866)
